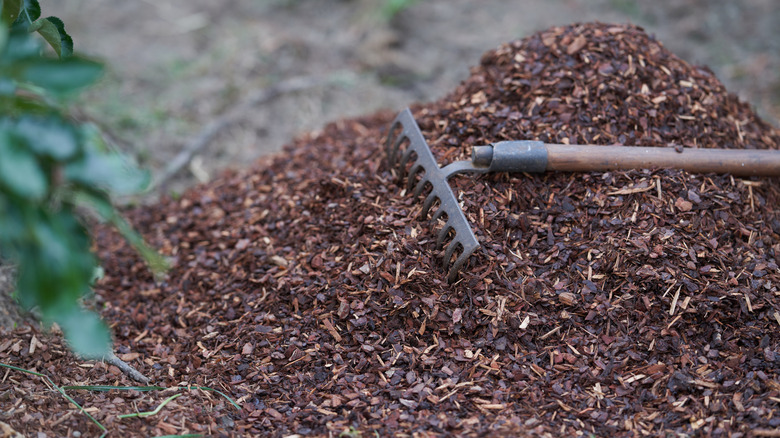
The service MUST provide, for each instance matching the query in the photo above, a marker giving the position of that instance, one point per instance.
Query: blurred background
(177, 65)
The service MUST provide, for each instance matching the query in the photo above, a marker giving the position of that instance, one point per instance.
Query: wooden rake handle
(535, 156)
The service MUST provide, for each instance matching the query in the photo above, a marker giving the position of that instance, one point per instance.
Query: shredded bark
(638, 303)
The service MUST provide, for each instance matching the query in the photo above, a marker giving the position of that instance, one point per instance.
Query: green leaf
(107, 171)
(10, 11)
(20, 171)
(85, 332)
(55, 267)
(30, 11)
(14, 105)
(56, 263)
(3, 35)
(97, 201)
(64, 76)
(33, 9)
(51, 136)
(7, 88)
(12, 227)
(100, 167)
(52, 29)
(20, 46)
(100, 204)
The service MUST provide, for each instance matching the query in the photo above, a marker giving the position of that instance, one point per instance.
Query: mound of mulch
(309, 289)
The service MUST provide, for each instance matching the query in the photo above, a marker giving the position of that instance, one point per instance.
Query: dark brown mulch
(621, 303)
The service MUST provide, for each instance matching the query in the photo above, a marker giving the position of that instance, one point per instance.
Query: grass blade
(203, 388)
(150, 413)
(61, 391)
(104, 388)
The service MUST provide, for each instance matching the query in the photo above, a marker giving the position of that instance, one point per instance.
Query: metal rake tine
(428, 203)
(407, 155)
(413, 171)
(452, 274)
(450, 251)
(468, 246)
(439, 213)
(445, 230)
(418, 189)
(393, 152)
(394, 142)
(425, 168)
(389, 141)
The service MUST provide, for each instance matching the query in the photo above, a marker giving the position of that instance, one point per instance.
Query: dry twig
(131, 372)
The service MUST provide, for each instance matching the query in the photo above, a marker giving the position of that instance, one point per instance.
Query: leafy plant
(51, 168)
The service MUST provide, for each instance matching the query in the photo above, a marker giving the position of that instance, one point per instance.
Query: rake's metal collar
(511, 156)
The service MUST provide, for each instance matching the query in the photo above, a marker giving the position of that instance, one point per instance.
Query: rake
(409, 153)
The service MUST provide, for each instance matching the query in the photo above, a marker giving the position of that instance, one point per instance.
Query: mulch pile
(309, 289)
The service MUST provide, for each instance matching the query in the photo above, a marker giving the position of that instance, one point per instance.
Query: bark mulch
(309, 289)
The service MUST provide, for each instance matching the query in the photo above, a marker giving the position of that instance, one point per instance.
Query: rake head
(407, 149)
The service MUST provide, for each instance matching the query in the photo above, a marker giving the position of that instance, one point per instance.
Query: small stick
(550, 333)
(131, 372)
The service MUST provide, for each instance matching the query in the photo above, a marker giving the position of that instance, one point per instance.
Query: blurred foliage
(51, 169)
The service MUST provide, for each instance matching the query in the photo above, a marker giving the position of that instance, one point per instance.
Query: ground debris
(623, 303)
